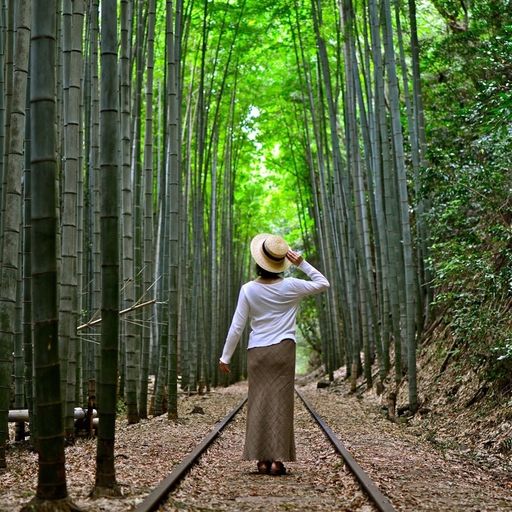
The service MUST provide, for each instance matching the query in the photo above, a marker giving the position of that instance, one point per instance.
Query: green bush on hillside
(469, 182)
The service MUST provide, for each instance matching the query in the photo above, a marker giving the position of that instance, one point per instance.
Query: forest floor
(460, 407)
(414, 472)
(400, 457)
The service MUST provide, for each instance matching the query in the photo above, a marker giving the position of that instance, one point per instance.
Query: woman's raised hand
(294, 257)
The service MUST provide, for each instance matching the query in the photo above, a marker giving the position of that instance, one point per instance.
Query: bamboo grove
(141, 141)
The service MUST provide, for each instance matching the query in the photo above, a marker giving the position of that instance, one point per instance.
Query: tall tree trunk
(94, 303)
(422, 203)
(3, 30)
(51, 486)
(27, 277)
(68, 296)
(128, 281)
(174, 140)
(10, 246)
(409, 271)
(347, 249)
(19, 367)
(386, 231)
(106, 483)
(365, 264)
(8, 91)
(79, 14)
(148, 215)
(132, 348)
(162, 270)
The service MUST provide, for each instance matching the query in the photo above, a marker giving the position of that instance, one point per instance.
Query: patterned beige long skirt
(271, 372)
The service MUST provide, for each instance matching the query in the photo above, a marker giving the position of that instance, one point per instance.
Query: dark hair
(266, 274)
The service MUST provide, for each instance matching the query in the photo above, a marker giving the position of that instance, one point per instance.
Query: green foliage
(309, 346)
(241, 38)
(469, 111)
(472, 258)
(121, 408)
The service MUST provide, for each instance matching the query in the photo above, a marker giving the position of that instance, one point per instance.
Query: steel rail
(153, 500)
(373, 492)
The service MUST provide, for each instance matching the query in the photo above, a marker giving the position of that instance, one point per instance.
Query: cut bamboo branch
(122, 312)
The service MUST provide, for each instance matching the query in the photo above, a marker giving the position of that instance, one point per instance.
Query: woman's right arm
(236, 329)
(318, 282)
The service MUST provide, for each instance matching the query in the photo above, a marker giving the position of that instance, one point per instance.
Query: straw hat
(269, 252)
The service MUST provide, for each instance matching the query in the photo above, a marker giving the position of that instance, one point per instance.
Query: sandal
(264, 467)
(277, 468)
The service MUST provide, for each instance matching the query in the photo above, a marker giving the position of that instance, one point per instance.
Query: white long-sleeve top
(272, 309)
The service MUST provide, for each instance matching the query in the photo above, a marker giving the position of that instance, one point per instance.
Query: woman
(271, 303)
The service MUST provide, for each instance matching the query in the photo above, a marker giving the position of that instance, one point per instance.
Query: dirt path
(414, 475)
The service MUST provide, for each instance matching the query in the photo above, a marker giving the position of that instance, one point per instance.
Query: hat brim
(262, 260)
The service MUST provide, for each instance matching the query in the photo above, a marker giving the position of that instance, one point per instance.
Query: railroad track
(162, 491)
